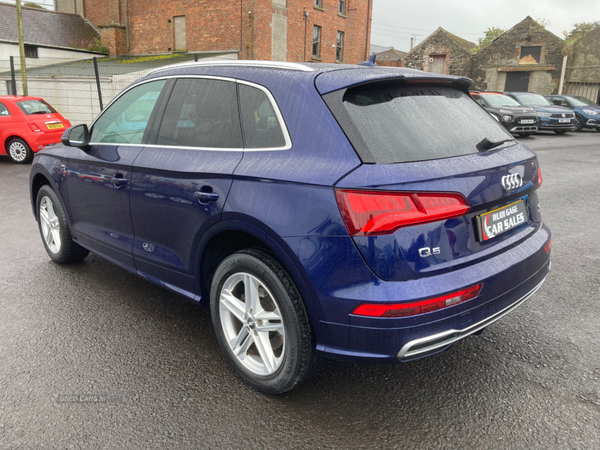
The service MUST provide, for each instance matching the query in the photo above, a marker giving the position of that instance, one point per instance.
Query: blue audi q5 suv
(320, 211)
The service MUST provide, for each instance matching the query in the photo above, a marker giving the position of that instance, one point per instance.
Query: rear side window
(390, 123)
(30, 107)
(201, 113)
(261, 125)
(4, 110)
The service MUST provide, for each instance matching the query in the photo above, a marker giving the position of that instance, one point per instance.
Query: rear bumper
(434, 343)
(509, 279)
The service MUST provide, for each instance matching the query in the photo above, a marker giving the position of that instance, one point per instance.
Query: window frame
(33, 51)
(339, 46)
(342, 7)
(2, 105)
(318, 4)
(319, 30)
(156, 118)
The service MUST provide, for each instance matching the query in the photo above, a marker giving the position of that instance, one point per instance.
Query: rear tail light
(33, 127)
(420, 307)
(382, 212)
(548, 246)
(539, 180)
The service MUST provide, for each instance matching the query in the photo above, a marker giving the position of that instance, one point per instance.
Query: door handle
(206, 196)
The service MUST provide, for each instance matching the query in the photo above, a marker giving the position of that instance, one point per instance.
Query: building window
(339, 48)
(530, 55)
(31, 51)
(342, 9)
(319, 4)
(316, 50)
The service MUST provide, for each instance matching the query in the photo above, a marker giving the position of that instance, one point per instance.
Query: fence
(77, 89)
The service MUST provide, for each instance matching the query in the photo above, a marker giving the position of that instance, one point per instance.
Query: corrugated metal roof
(43, 27)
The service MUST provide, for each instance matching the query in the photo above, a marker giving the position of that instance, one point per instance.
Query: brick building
(281, 30)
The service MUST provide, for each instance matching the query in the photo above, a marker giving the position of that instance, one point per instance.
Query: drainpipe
(562, 75)
(127, 25)
(368, 32)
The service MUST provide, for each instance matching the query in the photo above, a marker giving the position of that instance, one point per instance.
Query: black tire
(579, 122)
(298, 358)
(560, 131)
(62, 249)
(19, 151)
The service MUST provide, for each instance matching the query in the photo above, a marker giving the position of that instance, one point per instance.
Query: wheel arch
(10, 138)
(243, 232)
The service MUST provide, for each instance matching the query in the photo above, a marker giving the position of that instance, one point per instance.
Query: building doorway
(517, 81)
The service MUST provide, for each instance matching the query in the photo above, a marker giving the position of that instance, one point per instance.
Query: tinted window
(391, 124)
(202, 113)
(500, 100)
(125, 121)
(35, 107)
(4, 110)
(260, 123)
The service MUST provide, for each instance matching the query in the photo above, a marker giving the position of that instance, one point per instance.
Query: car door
(182, 177)
(99, 175)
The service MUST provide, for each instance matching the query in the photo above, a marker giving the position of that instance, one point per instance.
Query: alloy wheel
(18, 151)
(50, 225)
(252, 324)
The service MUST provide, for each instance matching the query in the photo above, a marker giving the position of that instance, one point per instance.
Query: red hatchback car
(27, 125)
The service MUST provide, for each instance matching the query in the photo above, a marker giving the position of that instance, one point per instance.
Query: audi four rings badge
(510, 182)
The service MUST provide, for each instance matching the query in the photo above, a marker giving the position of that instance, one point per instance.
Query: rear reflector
(548, 246)
(420, 307)
(383, 212)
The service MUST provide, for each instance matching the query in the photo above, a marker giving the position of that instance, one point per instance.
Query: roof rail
(239, 63)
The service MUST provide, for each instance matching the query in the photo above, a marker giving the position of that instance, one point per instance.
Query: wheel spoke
(48, 236)
(251, 293)
(268, 315)
(56, 238)
(44, 215)
(233, 305)
(278, 327)
(239, 340)
(264, 349)
(242, 351)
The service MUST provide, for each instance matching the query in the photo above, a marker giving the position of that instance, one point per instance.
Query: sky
(395, 21)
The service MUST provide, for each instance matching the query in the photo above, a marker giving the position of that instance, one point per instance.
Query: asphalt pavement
(93, 357)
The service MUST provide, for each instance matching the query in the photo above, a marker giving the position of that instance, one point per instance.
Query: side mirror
(77, 136)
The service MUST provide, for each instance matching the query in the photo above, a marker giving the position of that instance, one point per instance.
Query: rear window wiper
(485, 144)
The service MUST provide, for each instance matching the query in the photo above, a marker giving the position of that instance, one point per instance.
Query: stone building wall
(458, 58)
(492, 63)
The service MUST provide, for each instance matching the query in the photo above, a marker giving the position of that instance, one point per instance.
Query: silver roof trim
(238, 63)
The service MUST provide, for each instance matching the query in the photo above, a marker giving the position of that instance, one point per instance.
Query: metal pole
(13, 78)
(21, 48)
(98, 83)
(562, 75)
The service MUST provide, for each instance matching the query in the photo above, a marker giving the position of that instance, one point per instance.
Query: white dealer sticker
(500, 220)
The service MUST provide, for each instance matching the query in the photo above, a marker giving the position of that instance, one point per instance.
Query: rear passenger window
(260, 123)
(202, 113)
(4, 110)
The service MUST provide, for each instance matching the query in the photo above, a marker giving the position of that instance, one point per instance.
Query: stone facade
(451, 54)
(256, 29)
(509, 53)
(584, 65)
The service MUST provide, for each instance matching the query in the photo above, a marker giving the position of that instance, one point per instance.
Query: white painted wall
(8, 50)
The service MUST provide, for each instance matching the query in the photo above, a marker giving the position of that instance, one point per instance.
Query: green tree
(491, 34)
(579, 30)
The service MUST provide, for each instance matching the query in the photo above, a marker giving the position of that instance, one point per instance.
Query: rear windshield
(35, 107)
(389, 124)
